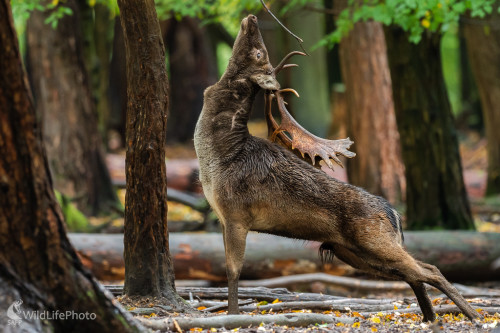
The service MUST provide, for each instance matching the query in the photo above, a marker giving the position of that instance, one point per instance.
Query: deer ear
(266, 82)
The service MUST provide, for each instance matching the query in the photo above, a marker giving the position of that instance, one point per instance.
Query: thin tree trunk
(370, 113)
(148, 265)
(435, 195)
(38, 266)
(483, 45)
(63, 99)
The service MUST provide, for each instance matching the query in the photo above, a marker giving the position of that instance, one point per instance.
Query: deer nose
(253, 18)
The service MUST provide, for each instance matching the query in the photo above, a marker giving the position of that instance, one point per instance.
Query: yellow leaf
(395, 307)
(339, 324)
(425, 23)
(201, 308)
(356, 325)
(262, 303)
(276, 301)
(55, 2)
(374, 329)
(375, 320)
(213, 329)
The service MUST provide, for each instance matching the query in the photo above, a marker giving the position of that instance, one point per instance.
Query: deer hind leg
(234, 247)
(423, 300)
(436, 279)
(395, 262)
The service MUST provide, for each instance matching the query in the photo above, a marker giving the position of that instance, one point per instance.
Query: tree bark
(435, 191)
(483, 46)
(371, 120)
(63, 99)
(148, 265)
(38, 266)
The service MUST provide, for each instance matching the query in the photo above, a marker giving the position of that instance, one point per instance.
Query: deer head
(250, 59)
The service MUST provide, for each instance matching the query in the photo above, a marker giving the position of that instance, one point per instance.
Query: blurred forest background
(415, 84)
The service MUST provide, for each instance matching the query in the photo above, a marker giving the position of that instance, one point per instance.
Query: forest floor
(403, 316)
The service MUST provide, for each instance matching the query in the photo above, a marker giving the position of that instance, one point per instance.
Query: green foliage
(56, 13)
(414, 16)
(450, 60)
(227, 12)
(75, 220)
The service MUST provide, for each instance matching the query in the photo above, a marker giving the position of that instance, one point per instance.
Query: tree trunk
(148, 265)
(38, 266)
(192, 69)
(370, 111)
(435, 192)
(63, 99)
(97, 29)
(483, 45)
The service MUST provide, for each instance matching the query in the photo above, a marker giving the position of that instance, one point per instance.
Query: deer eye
(259, 55)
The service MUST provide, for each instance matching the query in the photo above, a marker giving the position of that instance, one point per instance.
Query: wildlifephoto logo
(17, 315)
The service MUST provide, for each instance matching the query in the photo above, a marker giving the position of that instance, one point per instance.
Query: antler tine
(282, 64)
(273, 130)
(290, 90)
(289, 66)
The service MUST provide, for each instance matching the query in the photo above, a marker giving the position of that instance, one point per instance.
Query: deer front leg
(234, 246)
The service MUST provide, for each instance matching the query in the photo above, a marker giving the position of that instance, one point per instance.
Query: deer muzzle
(266, 81)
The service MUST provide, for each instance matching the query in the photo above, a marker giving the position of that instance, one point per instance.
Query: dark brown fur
(253, 184)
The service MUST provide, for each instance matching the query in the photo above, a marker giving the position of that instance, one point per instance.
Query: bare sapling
(256, 184)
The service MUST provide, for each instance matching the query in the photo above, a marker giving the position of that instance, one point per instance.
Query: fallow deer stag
(255, 184)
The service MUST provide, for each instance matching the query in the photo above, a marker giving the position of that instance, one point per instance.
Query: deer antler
(311, 148)
(302, 140)
(282, 64)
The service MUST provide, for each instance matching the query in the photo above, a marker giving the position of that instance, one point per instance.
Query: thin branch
(287, 30)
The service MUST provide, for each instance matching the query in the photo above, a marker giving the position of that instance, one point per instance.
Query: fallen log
(235, 321)
(460, 255)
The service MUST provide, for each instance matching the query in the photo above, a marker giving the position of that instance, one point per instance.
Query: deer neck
(222, 127)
